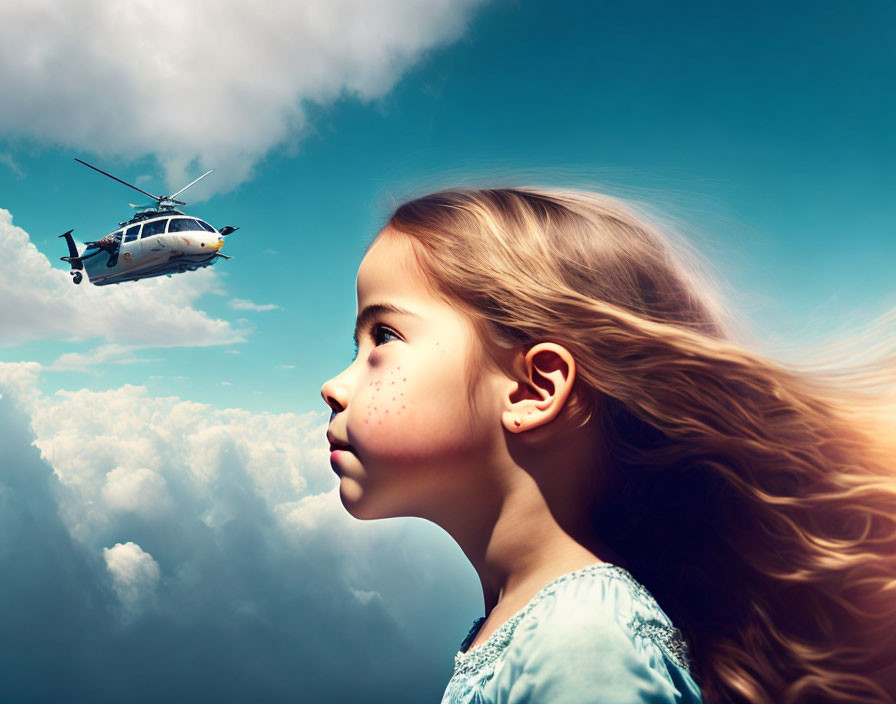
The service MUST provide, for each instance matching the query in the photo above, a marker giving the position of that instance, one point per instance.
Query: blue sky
(764, 129)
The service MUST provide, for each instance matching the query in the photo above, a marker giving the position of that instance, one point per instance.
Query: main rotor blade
(115, 178)
(174, 195)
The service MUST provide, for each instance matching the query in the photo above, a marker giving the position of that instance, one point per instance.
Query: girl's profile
(656, 513)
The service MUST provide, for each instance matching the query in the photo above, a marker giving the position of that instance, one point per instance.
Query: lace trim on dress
(669, 639)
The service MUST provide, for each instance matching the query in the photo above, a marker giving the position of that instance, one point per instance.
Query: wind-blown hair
(755, 499)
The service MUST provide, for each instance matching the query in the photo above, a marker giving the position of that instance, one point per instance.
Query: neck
(520, 541)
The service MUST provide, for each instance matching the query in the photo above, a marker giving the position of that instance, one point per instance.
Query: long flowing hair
(756, 499)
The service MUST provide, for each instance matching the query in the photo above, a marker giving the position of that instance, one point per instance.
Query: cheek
(412, 414)
(386, 417)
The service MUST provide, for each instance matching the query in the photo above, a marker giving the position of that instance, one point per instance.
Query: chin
(361, 507)
(353, 499)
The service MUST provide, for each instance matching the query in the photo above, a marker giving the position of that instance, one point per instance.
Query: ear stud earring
(517, 422)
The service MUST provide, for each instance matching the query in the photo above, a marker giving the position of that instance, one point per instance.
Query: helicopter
(157, 240)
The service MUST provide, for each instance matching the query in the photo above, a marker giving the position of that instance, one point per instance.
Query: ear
(549, 371)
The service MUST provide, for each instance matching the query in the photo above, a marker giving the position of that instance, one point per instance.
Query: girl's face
(403, 405)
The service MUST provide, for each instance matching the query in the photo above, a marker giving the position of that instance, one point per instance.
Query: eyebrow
(366, 316)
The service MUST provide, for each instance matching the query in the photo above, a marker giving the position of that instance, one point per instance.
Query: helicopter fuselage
(150, 246)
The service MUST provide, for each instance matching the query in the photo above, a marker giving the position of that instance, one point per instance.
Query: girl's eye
(381, 333)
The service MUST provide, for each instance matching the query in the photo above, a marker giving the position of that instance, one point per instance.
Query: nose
(335, 395)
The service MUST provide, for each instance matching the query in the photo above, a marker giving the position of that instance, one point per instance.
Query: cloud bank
(40, 302)
(220, 82)
(157, 549)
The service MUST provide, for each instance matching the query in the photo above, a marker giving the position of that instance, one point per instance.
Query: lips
(337, 444)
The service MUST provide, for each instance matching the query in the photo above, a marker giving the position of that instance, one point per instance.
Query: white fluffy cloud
(218, 81)
(142, 491)
(40, 302)
(20, 380)
(121, 449)
(134, 573)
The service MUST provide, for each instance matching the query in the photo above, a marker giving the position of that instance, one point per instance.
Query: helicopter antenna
(129, 185)
(173, 195)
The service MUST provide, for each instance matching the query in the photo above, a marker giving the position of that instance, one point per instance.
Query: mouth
(340, 446)
(336, 443)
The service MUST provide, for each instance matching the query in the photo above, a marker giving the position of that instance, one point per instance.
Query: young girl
(655, 513)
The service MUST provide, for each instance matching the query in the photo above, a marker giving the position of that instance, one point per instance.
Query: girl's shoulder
(603, 596)
(585, 631)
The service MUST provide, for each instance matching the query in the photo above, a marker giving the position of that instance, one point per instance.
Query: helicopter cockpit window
(155, 227)
(131, 233)
(205, 226)
(184, 225)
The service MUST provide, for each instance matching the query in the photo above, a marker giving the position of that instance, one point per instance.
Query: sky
(169, 522)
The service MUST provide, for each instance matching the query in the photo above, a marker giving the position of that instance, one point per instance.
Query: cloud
(209, 548)
(243, 304)
(366, 597)
(40, 302)
(10, 163)
(141, 491)
(101, 356)
(20, 379)
(220, 83)
(134, 573)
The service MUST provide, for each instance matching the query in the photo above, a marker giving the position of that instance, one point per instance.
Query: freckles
(374, 413)
(394, 378)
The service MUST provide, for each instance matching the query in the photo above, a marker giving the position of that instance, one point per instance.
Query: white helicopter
(158, 240)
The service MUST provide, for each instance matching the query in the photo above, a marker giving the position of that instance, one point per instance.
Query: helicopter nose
(217, 245)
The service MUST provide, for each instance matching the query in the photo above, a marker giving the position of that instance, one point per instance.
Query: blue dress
(593, 636)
